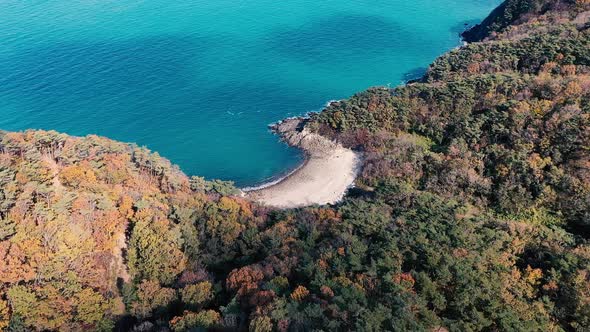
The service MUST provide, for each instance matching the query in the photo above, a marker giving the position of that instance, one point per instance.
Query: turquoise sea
(199, 81)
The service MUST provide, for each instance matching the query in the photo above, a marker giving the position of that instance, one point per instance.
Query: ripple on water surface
(198, 81)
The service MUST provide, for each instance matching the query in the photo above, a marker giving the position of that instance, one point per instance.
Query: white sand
(324, 178)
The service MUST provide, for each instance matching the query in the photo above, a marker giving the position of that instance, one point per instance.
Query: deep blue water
(199, 81)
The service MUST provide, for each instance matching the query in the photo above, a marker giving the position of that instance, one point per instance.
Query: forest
(471, 211)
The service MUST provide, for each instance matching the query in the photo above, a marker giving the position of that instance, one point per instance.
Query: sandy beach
(324, 178)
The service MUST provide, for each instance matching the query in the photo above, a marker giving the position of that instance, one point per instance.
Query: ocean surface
(199, 81)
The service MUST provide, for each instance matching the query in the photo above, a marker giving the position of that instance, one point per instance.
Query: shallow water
(199, 81)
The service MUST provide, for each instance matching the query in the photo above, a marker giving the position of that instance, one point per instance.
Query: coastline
(324, 176)
(278, 179)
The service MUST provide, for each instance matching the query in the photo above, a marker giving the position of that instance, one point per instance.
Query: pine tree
(7, 229)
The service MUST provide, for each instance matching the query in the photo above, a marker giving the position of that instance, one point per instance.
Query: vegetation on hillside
(514, 12)
(471, 213)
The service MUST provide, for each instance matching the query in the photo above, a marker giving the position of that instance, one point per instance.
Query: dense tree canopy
(471, 212)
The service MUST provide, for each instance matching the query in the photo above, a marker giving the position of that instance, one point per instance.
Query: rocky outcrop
(294, 131)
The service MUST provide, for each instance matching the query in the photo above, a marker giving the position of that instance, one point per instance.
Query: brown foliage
(244, 280)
